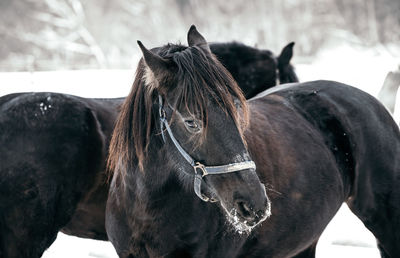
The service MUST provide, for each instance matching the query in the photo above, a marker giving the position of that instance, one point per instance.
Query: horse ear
(194, 38)
(286, 55)
(156, 63)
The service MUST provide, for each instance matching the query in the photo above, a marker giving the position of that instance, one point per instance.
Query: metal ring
(201, 167)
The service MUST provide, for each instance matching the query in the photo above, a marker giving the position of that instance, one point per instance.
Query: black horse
(188, 149)
(53, 149)
(254, 69)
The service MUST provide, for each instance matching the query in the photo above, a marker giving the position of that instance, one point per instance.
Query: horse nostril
(264, 213)
(244, 210)
(260, 214)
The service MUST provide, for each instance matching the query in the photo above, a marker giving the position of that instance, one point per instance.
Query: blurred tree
(49, 33)
(387, 15)
(79, 34)
(374, 21)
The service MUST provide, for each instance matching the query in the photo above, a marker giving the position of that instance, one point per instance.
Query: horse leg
(384, 225)
(378, 207)
(24, 236)
(27, 218)
(13, 247)
(382, 251)
(309, 252)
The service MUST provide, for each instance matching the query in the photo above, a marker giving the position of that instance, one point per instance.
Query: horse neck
(180, 220)
(165, 178)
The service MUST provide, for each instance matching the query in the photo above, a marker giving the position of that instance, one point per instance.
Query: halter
(200, 170)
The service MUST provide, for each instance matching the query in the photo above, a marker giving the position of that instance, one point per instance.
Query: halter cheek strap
(200, 170)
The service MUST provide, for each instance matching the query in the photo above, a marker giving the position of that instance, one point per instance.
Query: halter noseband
(200, 170)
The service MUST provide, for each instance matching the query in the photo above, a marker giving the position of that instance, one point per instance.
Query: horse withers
(183, 182)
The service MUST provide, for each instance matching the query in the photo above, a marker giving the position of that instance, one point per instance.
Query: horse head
(192, 115)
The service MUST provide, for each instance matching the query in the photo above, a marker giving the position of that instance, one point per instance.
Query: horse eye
(191, 124)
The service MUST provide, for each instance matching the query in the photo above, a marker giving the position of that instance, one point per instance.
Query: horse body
(306, 187)
(316, 145)
(53, 147)
(314, 149)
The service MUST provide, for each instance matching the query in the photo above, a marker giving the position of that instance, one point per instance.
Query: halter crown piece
(200, 170)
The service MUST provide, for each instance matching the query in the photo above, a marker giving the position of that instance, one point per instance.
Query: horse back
(354, 124)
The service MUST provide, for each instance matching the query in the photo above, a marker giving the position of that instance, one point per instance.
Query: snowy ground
(344, 237)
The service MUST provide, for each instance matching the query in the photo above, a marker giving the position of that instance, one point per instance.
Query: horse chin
(241, 225)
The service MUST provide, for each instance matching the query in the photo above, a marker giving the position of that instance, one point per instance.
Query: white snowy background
(88, 48)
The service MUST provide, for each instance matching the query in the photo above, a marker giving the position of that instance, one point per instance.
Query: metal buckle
(163, 114)
(201, 167)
